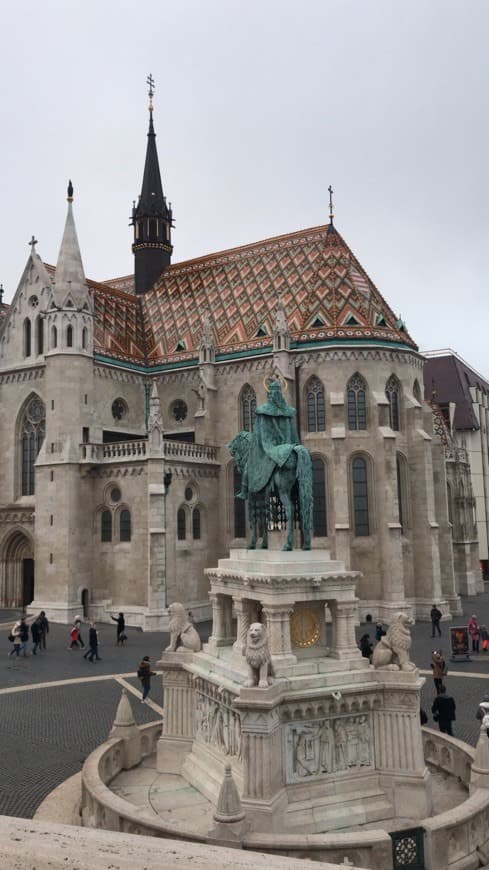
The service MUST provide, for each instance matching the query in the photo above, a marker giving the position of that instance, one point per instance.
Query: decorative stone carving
(258, 657)
(218, 725)
(392, 650)
(182, 631)
(325, 746)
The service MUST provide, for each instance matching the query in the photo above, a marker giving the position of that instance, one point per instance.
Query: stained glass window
(392, 394)
(316, 419)
(33, 431)
(357, 405)
(360, 497)
(248, 408)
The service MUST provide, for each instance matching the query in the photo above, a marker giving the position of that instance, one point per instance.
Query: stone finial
(281, 335)
(229, 807)
(207, 350)
(230, 818)
(124, 717)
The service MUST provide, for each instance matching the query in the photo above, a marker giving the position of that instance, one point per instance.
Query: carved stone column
(278, 626)
(344, 641)
(179, 719)
(242, 611)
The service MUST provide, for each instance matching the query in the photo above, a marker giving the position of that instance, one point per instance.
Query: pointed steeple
(152, 217)
(70, 277)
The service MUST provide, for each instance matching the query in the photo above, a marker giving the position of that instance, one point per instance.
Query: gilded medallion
(305, 627)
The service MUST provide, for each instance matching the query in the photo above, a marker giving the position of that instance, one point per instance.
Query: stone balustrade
(454, 839)
(117, 451)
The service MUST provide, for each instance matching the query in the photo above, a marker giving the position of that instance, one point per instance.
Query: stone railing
(120, 451)
(458, 837)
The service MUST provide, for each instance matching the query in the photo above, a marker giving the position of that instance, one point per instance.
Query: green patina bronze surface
(271, 460)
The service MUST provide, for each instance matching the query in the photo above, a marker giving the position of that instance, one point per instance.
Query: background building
(119, 399)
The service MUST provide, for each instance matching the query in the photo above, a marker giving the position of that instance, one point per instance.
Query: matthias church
(118, 398)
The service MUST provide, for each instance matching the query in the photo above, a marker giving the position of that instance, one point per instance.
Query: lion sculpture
(258, 658)
(182, 632)
(392, 650)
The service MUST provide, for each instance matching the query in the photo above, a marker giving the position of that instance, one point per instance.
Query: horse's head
(239, 448)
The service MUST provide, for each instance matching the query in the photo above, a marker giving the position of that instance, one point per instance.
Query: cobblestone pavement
(47, 732)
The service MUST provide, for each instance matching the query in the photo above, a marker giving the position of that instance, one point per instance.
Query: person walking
(24, 637)
(36, 636)
(92, 652)
(475, 632)
(443, 710)
(366, 647)
(78, 625)
(439, 669)
(44, 627)
(121, 625)
(435, 615)
(74, 637)
(14, 637)
(145, 673)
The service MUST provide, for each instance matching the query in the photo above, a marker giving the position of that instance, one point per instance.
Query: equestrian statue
(271, 461)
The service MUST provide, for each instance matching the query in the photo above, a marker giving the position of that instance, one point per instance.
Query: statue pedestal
(332, 742)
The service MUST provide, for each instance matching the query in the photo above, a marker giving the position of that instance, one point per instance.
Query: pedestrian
(365, 646)
(36, 636)
(439, 669)
(44, 626)
(92, 652)
(14, 638)
(145, 673)
(121, 625)
(379, 631)
(443, 710)
(484, 638)
(436, 615)
(475, 632)
(74, 637)
(78, 625)
(24, 636)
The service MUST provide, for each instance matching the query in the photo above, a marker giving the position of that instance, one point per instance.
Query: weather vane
(330, 189)
(151, 84)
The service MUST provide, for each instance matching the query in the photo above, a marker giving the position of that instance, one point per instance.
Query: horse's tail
(304, 478)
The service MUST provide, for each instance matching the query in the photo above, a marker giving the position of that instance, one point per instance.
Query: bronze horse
(298, 467)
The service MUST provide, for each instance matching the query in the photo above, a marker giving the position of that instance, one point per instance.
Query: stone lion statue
(392, 650)
(258, 657)
(182, 632)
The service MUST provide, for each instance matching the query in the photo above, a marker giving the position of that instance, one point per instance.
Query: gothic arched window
(319, 514)
(248, 408)
(360, 497)
(54, 337)
(196, 524)
(106, 526)
(33, 429)
(402, 491)
(27, 337)
(125, 525)
(40, 335)
(239, 506)
(181, 524)
(84, 337)
(417, 392)
(357, 403)
(69, 336)
(392, 394)
(316, 419)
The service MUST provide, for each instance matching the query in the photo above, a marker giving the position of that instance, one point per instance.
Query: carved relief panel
(216, 723)
(320, 747)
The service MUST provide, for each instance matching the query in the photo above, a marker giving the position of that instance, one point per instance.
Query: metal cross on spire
(151, 84)
(33, 243)
(330, 190)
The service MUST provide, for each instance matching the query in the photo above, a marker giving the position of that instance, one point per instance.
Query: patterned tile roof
(326, 294)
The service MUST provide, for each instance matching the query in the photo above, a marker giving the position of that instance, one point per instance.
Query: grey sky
(259, 106)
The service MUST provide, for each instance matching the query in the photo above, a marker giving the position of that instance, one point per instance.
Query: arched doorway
(17, 571)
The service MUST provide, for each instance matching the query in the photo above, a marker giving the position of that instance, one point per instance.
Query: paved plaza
(56, 707)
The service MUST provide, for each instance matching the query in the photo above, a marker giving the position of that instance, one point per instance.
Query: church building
(118, 398)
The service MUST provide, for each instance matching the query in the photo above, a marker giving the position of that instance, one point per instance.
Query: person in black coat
(145, 673)
(443, 710)
(24, 636)
(44, 627)
(92, 652)
(121, 625)
(366, 647)
(36, 636)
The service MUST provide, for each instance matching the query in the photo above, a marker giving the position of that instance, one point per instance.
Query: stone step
(333, 812)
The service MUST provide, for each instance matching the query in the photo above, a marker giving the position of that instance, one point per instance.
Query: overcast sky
(259, 106)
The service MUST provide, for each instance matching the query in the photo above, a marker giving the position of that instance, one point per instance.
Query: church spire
(70, 276)
(152, 217)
